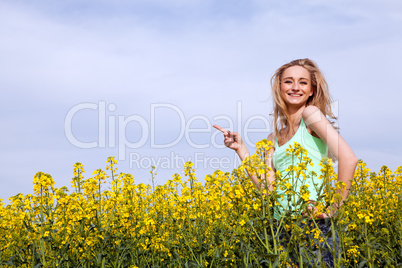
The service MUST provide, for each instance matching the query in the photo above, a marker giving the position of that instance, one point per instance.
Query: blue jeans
(321, 253)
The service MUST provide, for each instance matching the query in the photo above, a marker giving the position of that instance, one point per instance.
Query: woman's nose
(296, 86)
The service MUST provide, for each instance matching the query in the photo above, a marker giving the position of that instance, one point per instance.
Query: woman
(301, 107)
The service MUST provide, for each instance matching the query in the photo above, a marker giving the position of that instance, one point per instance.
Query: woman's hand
(232, 140)
(313, 211)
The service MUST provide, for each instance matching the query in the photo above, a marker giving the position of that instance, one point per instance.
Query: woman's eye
(288, 82)
(303, 83)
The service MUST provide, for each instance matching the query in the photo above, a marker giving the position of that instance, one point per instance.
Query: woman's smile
(295, 95)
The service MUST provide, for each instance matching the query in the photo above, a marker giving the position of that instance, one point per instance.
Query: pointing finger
(221, 129)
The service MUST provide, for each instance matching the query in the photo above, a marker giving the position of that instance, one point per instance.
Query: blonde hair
(320, 98)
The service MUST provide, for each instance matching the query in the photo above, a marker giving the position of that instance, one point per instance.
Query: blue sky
(147, 79)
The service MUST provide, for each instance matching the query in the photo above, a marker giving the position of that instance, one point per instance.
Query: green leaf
(362, 263)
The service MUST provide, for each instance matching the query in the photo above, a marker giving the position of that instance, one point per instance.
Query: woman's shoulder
(312, 114)
(271, 137)
(310, 110)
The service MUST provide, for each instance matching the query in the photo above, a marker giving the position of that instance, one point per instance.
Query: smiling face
(295, 86)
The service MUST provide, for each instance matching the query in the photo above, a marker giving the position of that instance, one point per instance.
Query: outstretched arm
(234, 141)
(347, 160)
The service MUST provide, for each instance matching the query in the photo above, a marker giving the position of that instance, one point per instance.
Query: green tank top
(316, 149)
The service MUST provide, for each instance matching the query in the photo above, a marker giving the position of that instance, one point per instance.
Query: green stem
(42, 245)
(368, 246)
